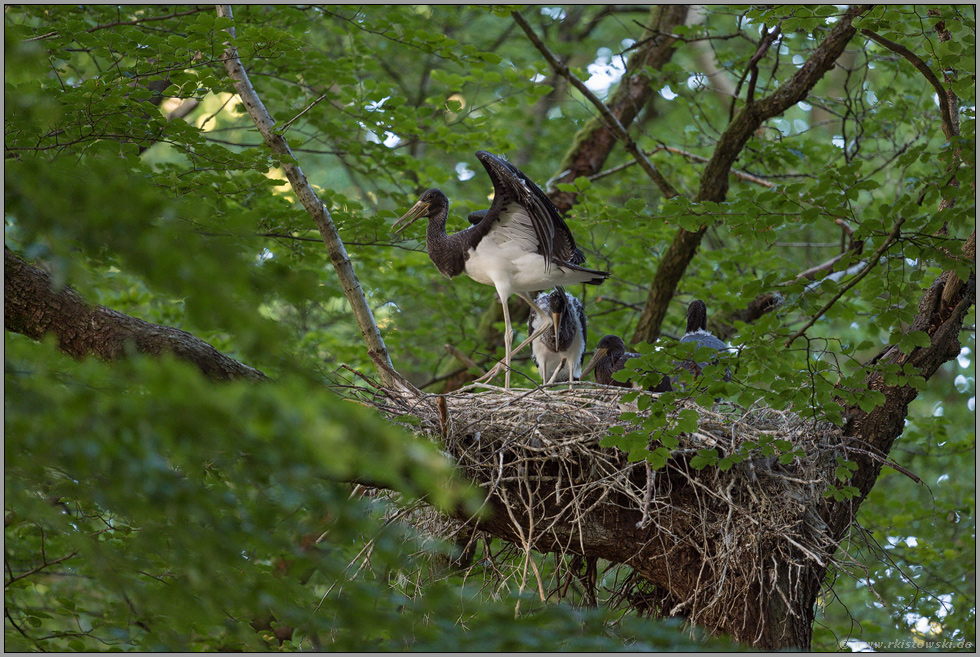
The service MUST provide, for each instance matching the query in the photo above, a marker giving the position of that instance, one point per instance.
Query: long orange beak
(409, 217)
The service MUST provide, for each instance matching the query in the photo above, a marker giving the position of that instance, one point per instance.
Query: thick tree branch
(942, 321)
(610, 120)
(33, 308)
(714, 180)
(314, 206)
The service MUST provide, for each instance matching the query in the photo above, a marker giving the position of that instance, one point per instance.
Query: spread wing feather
(553, 238)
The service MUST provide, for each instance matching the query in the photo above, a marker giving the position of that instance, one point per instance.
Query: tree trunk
(714, 180)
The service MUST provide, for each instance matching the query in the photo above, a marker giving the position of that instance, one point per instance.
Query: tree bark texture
(714, 180)
(314, 206)
(595, 141)
(33, 308)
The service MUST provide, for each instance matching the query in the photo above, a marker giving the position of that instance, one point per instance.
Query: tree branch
(612, 123)
(944, 105)
(595, 141)
(314, 206)
(872, 262)
(33, 308)
(137, 21)
(741, 175)
(714, 180)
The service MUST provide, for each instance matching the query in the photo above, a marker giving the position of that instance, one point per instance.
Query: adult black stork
(697, 331)
(520, 244)
(562, 345)
(611, 356)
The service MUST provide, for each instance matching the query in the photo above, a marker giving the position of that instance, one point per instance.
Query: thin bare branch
(748, 177)
(612, 123)
(314, 206)
(872, 262)
(916, 61)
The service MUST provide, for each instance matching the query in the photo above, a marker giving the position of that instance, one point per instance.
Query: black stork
(520, 244)
(562, 345)
(611, 356)
(697, 331)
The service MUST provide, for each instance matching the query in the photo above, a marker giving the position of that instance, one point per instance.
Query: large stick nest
(537, 454)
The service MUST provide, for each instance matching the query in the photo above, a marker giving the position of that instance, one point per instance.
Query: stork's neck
(697, 318)
(447, 252)
(435, 232)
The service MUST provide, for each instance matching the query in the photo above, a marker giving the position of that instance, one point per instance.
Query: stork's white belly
(507, 257)
(548, 361)
(518, 270)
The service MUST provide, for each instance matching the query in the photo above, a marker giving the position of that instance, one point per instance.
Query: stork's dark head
(557, 301)
(697, 316)
(558, 304)
(611, 347)
(432, 204)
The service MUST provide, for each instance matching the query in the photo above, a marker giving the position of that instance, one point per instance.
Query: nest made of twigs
(537, 454)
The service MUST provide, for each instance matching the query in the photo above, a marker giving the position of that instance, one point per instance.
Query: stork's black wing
(546, 227)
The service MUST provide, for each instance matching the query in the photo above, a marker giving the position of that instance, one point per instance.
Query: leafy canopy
(148, 509)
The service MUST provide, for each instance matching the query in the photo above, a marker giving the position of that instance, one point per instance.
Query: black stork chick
(611, 356)
(697, 331)
(560, 350)
(521, 244)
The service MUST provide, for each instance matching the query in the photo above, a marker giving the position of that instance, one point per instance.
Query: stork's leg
(558, 371)
(536, 308)
(546, 321)
(509, 336)
(539, 331)
(508, 343)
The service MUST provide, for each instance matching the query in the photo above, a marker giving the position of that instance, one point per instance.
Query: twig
(612, 123)
(121, 23)
(748, 177)
(460, 356)
(916, 61)
(285, 126)
(753, 67)
(872, 262)
(38, 569)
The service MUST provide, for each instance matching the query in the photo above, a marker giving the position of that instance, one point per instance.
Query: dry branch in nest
(716, 546)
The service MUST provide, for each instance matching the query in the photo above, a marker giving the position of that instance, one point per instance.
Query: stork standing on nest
(520, 244)
(611, 356)
(560, 351)
(697, 332)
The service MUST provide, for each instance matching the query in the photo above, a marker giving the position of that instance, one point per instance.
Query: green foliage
(193, 511)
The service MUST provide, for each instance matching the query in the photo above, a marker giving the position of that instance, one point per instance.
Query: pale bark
(314, 206)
